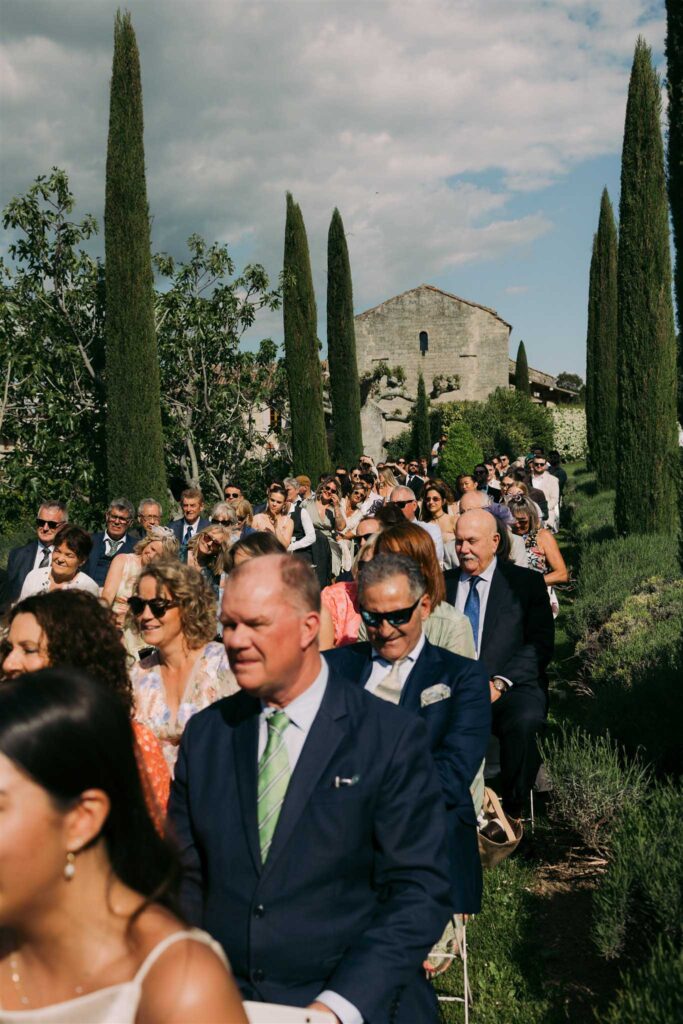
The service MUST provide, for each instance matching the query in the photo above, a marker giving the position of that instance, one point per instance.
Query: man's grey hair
(291, 481)
(402, 494)
(484, 500)
(143, 505)
(124, 504)
(222, 508)
(387, 567)
(53, 503)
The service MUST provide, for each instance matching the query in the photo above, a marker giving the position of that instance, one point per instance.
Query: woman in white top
(82, 941)
(72, 545)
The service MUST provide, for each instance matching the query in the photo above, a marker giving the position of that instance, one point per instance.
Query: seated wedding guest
(72, 545)
(276, 517)
(245, 516)
(232, 493)
(207, 551)
(406, 500)
(113, 540)
(149, 514)
(353, 510)
(451, 505)
(523, 480)
(386, 483)
(339, 612)
(88, 915)
(223, 514)
(512, 546)
(192, 520)
(303, 535)
(174, 610)
(36, 554)
(70, 629)
(253, 546)
(390, 514)
(327, 516)
(543, 553)
(159, 542)
(435, 510)
(463, 483)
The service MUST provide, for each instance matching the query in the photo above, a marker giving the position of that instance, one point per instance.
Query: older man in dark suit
(310, 818)
(448, 692)
(113, 540)
(37, 554)
(513, 629)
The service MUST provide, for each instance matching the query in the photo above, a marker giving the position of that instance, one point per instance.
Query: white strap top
(116, 1004)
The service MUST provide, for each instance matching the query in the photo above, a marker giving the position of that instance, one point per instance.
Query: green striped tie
(273, 779)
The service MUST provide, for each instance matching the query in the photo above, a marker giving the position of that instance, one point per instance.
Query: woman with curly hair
(174, 610)
(72, 629)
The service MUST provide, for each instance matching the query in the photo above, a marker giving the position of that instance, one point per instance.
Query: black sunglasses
(232, 494)
(157, 605)
(220, 522)
(47, 522)
(402, 504)
(397, 618)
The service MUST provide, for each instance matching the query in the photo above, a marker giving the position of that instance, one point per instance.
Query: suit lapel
(245, 748)
(494, 606)
(422, 674)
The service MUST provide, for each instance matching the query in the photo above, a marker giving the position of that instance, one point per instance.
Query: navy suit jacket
(355, 888)
(178, 526)
(98, 564)
(458, 730)
(19, 564)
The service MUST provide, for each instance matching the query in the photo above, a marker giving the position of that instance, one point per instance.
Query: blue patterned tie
(472, 609)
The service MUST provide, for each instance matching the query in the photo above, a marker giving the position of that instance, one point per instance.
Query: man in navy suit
(448, 692)
(113, 540)
(37, 553)
(514, 636)
(310, 818)
(192, 503)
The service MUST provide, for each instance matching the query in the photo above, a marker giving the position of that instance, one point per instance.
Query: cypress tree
(522, 371)
(647, 442)
(302, 362)
(421, 437)
(135, 453)
(674, 78)
(341, 348)
(601, 349)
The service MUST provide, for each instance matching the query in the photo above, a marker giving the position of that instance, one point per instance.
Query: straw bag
(493, 850)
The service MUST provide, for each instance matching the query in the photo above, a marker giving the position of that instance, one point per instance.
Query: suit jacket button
(258, 975)
(259, 911)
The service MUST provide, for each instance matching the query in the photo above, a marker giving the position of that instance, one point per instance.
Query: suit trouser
(518, 717)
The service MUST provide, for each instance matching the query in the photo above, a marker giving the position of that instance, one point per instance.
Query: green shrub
(653, 993)
(611, 571)
(460, 454)
(591, 783)
(399, 447)
(641, 896)
(509, 422)
(587, 513)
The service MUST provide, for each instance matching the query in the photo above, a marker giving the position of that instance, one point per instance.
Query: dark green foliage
(135, 454)
(254, 475)
(674, 82)
(460, 454)
(647, 442)
(507, 422)
(601, 349)
(570, 381)
(400, 447)
(421, 440)
(641, 896)
(522, 371)
(653, 992)
(341, 348)
(302, 362)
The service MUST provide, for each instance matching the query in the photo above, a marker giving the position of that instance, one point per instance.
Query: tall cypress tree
(647, 442)
(341, 348)
(601, 349)
(135, 452)
(421, 437)
(674, 78)
(302, 361)
(522, 371)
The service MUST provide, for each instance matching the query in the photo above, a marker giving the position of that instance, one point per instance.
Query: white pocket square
(433, 694)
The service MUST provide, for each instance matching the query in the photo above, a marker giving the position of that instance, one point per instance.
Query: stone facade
(460, 347)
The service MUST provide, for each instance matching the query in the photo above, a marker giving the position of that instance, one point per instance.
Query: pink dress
(341, 601)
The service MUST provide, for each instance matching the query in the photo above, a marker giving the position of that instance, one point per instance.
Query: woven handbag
(492, 852)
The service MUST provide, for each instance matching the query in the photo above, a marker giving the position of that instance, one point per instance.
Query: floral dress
(535, 553)
(209, 680)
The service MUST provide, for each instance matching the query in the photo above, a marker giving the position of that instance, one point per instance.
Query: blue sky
(466, 143)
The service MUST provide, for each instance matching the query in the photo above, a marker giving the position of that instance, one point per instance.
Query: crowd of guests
(313, 684)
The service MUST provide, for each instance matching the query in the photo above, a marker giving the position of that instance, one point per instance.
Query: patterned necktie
(273, 778)
(188, 535)
(114, 546)
(472, 609)
(45, 560)
(390, 687)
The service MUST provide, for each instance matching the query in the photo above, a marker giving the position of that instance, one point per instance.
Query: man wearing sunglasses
(37, 554)
(113, 540)
(544, 481)
(406, 499)
(450, 693)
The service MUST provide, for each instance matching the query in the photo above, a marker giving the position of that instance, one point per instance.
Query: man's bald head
(474, 499)
(298, 582)
(476, 540)
(405, 498)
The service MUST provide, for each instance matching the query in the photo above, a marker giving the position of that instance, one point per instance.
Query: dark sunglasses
(539, 465)
(47, 522)
(232, 494)
(402, 504)
(329, 490)
(397, 618)
(220, 522)
(157, 605)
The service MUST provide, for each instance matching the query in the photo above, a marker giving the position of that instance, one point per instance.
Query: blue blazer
(458, 730)
(19, 564)
(355, 889)
(98, 564)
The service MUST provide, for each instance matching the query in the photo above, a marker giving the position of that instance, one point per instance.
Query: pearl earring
(69, 867)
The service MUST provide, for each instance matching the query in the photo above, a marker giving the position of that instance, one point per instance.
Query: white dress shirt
(301, 713)
(42, 548)
(483, 589)
(381, 667)
(435, 533)
(112, 545)
(550, 486)
(308, 528)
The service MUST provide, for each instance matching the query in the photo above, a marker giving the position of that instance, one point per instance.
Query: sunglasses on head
(50, 523)
(399, 617)
(157, 605)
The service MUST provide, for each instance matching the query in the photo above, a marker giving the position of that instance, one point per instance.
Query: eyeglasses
(50, 523)
(396, 618)
(539, 465)
(329, 490)
(401, 462)
(118, 519)
(157, 605)
(434, 497)
(402, 504)
(151, 516)
(232, 494)
(220, 522)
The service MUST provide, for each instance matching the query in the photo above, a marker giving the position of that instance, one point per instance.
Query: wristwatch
(500, 684)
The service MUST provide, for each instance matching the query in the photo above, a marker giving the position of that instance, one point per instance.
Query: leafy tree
(52, 355)
(601, 350)
(570, 381)
(461, 452)
(302, 362)
(647, 442)
(522, 371)
(674, 81)
(507, 422)
(341, 348)
(420, 436)
(215, 396)
(135, 454)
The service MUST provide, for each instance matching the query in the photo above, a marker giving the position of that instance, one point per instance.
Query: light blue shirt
(483, 589)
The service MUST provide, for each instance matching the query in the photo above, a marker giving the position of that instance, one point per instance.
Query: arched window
(424, 342)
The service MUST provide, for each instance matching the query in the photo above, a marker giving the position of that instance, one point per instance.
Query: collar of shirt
(412, 656)
(486, 575)
(301, 713)
(111, 540)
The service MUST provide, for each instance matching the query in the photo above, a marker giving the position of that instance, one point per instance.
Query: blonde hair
(243, 510)
(225, 535)
(169, 542)
(195, 599)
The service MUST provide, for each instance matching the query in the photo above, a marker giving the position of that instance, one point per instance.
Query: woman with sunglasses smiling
(72, 545)
(542, 549)
(207, 552)
(174, 610)
(327, 516)
(435, 510)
